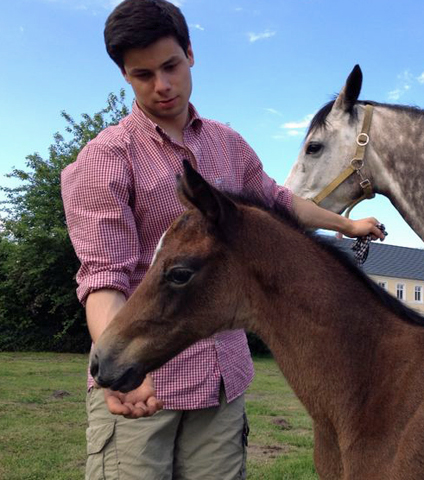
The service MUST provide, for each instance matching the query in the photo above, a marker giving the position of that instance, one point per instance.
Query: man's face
(161, 79)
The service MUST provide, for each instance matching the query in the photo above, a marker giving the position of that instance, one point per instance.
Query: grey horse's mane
(320, 118)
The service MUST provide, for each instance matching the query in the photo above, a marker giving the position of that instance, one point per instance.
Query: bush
(38, 305)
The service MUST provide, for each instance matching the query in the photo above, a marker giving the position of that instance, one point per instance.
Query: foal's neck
(308, 308)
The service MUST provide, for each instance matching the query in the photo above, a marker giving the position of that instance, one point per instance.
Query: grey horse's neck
(396, 161)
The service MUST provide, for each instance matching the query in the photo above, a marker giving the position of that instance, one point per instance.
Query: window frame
(400, 287)
(418, 288)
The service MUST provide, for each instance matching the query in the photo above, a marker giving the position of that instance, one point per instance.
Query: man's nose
(162, 83)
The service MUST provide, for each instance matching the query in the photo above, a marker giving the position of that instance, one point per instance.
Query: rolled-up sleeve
(258, 182)
(96, 192)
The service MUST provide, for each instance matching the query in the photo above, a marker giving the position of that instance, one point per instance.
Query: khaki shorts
(207, 444)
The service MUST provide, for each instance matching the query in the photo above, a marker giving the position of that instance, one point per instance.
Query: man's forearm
(101, 307)
(313, 216)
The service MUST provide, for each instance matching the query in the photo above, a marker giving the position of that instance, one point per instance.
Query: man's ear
(190, 55)
(195, 192)
(124, 74)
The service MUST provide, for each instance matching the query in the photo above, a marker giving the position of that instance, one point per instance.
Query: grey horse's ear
(350, 92)
(195, 192)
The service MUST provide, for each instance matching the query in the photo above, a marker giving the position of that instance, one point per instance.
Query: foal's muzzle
(107, 375)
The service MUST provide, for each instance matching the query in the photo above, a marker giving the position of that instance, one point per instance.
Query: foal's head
(189, 292)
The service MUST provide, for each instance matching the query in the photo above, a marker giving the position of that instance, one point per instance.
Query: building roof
(391, 260)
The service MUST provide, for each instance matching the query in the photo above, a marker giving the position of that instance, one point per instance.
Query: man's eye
(179, 275)
(313, 147)
(144, 76)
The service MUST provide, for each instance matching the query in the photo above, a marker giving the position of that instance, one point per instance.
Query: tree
(38, 306)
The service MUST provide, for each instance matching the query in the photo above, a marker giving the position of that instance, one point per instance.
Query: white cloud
(293, 129)
(294, 133)
(273, 111)
(405, 82)
(302, 124)
(395, 94)
(196, 26)
(288, 134)
(254, 37)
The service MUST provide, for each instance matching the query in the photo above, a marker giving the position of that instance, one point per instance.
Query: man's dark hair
(140, 23)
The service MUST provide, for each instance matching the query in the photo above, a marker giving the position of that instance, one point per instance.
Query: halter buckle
(365, 184)
(367, 188)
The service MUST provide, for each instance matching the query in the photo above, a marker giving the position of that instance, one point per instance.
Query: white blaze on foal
(158, 247)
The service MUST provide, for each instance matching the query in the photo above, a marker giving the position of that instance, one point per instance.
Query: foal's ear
(195, 191)
(350, 92)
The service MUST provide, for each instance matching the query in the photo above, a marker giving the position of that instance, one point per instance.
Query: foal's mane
(288, 218)
(320, 118)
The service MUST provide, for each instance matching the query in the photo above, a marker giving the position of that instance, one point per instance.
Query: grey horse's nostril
(94, 365)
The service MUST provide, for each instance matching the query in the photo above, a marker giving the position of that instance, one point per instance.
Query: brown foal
(353, 354)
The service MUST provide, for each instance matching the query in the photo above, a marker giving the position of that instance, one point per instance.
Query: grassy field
(42, 421)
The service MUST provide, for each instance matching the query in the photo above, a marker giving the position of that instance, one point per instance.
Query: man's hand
(141, 402)
(364, 227)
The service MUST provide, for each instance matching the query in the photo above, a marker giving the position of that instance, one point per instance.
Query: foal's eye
(179, 275)
(313, 147)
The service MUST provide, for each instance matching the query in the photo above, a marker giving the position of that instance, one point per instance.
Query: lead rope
(361, 246)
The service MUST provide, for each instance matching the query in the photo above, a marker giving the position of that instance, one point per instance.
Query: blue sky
(264, 66)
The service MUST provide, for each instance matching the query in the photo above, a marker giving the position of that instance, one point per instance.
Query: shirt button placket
(190, 157)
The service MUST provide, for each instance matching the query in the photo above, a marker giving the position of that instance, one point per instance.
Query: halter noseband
(355, 166)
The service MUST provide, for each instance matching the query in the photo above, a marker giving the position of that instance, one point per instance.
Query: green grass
(42, 432)
(42, 437)
(281, 438)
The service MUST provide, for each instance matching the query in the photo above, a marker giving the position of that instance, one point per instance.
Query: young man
(119, 198)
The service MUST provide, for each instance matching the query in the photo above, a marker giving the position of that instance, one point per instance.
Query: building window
(383, 285)
(400, 291)
(418, 293)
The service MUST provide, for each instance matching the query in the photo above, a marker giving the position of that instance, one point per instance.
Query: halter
(355, 166)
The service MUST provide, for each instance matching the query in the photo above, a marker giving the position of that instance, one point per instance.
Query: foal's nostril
(94, 365)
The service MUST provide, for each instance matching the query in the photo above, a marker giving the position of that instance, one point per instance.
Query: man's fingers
(377, 233)
(144, 409)
(155, 403)
(116, 407)
(137, 412)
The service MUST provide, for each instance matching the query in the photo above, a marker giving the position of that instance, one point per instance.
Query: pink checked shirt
(119, 197)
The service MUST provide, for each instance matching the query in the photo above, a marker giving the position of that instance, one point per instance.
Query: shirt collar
(155, 131)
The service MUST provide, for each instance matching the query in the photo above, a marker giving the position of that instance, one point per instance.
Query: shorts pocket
(98, 437)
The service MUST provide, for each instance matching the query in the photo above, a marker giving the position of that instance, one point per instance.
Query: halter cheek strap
(355, 166)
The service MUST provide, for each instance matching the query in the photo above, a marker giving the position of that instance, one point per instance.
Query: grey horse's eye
(179, 275)
(313, 147)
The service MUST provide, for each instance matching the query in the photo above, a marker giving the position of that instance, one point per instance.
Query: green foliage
(38, 305)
